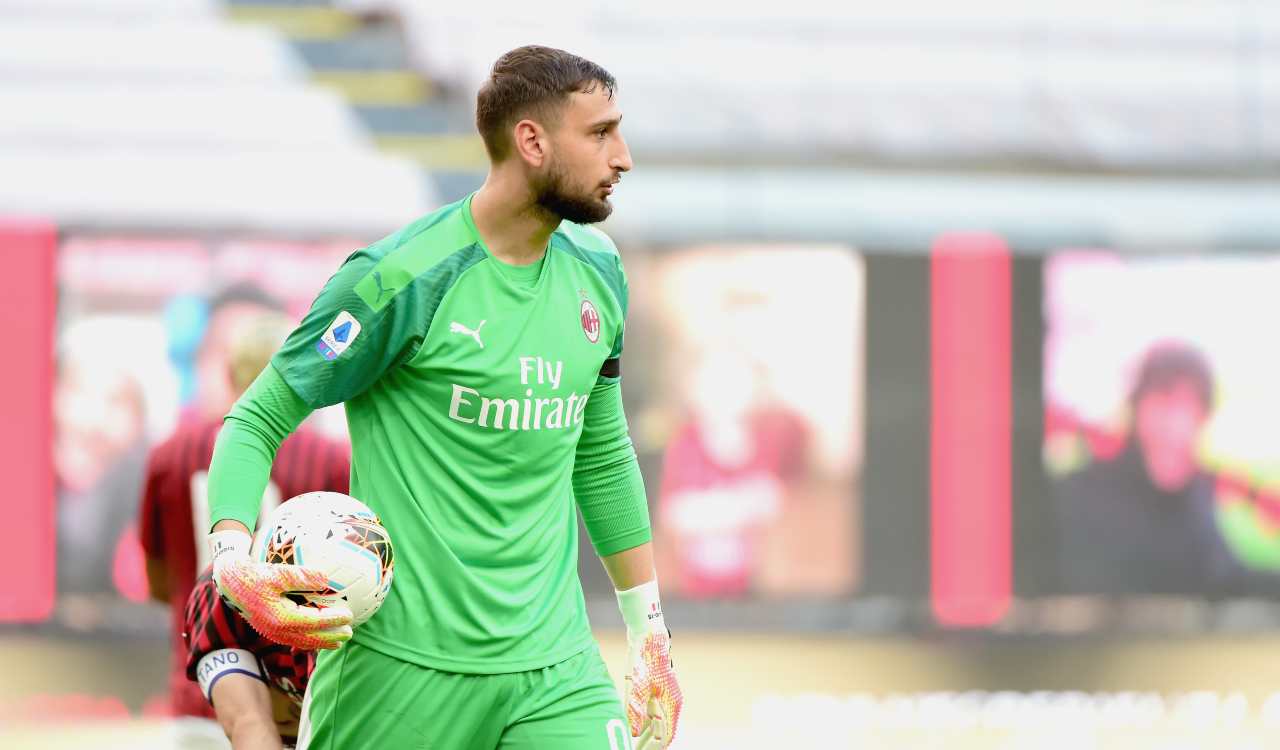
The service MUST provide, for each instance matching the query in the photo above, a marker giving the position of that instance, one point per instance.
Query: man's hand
(653, 695)
(653, 698)
(259, 591)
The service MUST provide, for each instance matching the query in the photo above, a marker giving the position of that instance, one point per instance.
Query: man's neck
(514, 227)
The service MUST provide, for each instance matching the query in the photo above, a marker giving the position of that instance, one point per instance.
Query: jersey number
(619, 737)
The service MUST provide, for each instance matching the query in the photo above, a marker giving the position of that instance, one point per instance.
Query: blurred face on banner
(757, 494)
(98, 414)
(721, 395)
(1160, 423)
(586, 156)
(1167, 425)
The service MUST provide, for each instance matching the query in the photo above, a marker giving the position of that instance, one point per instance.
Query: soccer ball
(338, 535)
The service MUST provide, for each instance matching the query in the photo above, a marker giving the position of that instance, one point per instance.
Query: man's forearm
(158, 579)
(606, 478)
(247, 445)
(243, 707)
(254, 733)
(630, 568)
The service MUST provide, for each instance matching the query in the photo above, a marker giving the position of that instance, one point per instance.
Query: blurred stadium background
(894, 268)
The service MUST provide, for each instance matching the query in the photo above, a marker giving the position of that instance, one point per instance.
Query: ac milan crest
(590, 321)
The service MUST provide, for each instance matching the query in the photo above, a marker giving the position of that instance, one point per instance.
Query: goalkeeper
(477, 354)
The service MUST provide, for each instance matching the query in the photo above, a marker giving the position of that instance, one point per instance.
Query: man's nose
(621, 160)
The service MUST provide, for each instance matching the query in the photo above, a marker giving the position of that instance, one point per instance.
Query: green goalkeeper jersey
(467, 382)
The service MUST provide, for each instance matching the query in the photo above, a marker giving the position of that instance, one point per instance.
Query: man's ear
(531, 143)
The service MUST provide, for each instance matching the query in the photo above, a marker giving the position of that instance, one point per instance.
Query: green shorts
(359, 698)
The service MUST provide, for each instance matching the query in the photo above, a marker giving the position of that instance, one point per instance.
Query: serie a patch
(340, 335)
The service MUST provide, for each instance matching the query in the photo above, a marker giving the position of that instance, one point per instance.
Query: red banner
(27, 309)
(971, 430)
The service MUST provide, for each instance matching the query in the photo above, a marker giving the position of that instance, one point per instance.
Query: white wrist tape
(215, 665)
(228, 545)
(641, 609)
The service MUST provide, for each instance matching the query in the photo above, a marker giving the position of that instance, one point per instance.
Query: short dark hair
(243, 292)
(531, 81)
(1168, 362)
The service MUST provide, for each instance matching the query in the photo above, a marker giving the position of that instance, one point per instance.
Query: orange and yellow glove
(260, 593)
(653, 698)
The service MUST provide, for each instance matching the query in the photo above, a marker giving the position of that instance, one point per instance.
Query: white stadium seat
(182, 51)
(117, 9)
(1136, 84)
(302, 193)
(170, 116)
(160, 113)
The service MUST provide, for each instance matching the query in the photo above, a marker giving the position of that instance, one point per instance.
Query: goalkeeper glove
(653, 699)
(260, 592)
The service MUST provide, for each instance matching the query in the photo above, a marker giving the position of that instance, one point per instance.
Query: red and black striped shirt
(212, 625)
(175, 515)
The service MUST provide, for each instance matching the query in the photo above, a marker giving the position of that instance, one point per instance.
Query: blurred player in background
(228, 310)
(1145, 522)
(477, 353)
(175, 514)
(254, 686)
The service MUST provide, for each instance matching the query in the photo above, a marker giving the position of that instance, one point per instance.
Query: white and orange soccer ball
(336, 534)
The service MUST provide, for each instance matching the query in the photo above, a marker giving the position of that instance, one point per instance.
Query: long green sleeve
(606, 476)
(251, 434)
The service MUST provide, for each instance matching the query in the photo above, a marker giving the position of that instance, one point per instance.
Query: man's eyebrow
(607, 121)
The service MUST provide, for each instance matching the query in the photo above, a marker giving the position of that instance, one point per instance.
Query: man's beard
(554, 196)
